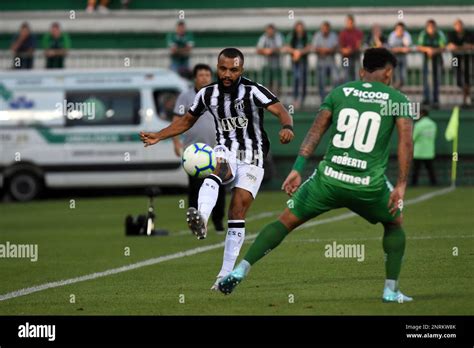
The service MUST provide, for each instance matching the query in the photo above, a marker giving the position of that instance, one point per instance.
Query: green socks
(267, 239)
(394, 248)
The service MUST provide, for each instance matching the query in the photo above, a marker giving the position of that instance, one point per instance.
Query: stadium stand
(104, 40)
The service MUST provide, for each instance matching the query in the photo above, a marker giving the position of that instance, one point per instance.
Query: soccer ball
(199, 160)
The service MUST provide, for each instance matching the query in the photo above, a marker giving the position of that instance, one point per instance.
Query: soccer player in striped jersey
(237, 105)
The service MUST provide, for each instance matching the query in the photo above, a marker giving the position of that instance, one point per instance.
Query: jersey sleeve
(180, 106)
(328, 103)
(199, 106)
(169, 40)
(190, 39)
(66, 41)
(262, 97)
(416, 132)
(421, 38)
(442, 39)
(406, 107)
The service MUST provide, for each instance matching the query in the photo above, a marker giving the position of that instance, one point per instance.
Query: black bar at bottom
(386, 330)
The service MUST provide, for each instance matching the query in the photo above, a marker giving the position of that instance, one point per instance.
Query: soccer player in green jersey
(360, 117)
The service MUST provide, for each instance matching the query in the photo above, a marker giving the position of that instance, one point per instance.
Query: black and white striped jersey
(238, 117)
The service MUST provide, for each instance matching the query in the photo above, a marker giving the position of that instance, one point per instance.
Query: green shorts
(315, 197)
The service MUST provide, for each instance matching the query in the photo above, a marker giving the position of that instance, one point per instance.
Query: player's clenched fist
(286, 135)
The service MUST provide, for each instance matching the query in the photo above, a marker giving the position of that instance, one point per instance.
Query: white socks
(233, 242)
(208, 194)
(235, 237)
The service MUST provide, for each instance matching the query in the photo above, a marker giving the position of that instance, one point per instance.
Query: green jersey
(363, 118)
(424, 137)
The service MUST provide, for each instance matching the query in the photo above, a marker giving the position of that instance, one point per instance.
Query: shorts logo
(251, 177)
(231, 123)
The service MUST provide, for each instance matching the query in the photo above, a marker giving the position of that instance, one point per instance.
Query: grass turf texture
(90, 238)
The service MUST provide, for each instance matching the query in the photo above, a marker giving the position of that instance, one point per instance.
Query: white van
(73, 128)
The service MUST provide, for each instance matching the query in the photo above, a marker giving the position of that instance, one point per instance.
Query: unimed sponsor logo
(37, 331)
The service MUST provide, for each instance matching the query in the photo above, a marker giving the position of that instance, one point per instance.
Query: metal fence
(450, 93)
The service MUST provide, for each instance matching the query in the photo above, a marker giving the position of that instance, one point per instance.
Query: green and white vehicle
(79, 128)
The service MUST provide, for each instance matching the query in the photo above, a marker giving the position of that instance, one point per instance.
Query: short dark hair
(231, 52)
(400, 24)
(431, 21)
(198, 67)
(181, 22)
(378, 58)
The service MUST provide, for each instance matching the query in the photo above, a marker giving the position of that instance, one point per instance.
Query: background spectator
(298, 46)
(269, 46)
(350, 41)
(55, 44)
(180, 44)
(165, 105)
(102, 8)
(376, 38)
(325, 44)
(203, 131)
(424, 138)
(431, 42)
(399, 41)
(461, 43)
(23, 47)
(104, 5)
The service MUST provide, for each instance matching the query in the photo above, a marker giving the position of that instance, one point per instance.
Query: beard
(228, 89)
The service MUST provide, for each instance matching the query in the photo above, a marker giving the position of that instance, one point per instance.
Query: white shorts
(245, 176)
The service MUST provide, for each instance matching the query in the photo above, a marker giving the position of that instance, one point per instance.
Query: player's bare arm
(311, 141)
(286, 134)
(405, 155)
(177, 143)
(177, 127)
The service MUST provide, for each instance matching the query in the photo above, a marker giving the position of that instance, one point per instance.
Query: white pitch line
(362, 239)
(190, 252)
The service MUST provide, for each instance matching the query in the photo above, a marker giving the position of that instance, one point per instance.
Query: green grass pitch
(294, 279)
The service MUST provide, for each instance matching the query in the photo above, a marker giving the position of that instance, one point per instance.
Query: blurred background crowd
(299, 64)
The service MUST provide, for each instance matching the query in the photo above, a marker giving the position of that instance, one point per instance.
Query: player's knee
(395, 223)
(289, 220)
(223, 171)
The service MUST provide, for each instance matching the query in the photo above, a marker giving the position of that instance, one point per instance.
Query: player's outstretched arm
(177, 127)
(315, 133)
(310, 142)
(405, 155)
(286, 121)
